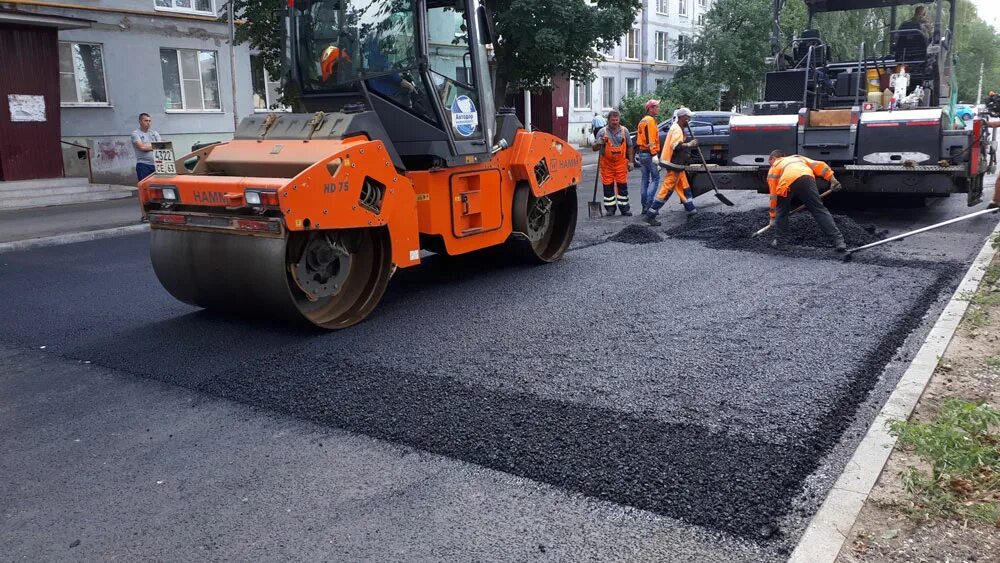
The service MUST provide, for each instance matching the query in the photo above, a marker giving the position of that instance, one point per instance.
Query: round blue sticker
(464, 118)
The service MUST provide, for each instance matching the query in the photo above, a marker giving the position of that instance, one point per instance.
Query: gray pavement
(24, 224)
(658, 402)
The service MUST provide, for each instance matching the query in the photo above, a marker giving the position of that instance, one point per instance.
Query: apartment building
(644, 58)
(81, 71)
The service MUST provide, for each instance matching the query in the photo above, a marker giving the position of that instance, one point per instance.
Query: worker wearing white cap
(674, 158)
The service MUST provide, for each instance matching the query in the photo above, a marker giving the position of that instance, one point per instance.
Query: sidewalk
(38, 222)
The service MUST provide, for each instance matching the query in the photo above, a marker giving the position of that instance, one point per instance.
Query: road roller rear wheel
(547, 223)
(338, 277)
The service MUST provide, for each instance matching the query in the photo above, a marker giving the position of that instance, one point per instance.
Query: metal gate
(29, 138)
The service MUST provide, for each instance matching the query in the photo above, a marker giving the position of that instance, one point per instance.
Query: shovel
(793, 212)
(715, 187)
(921, 230)
(594, 209)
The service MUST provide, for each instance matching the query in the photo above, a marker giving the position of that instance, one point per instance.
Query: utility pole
(232, 61)
(527, 109)
(979, 90)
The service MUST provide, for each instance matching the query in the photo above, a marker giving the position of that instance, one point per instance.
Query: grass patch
(993, 361)
(962, 447)
(986, 298)
(992, 274)
(976, 317)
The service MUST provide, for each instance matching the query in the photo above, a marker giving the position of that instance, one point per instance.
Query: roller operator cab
(397, 149)
(882, 118)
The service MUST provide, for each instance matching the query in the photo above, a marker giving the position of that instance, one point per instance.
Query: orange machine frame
(319, 183)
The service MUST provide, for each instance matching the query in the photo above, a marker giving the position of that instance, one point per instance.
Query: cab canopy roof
(817, 6)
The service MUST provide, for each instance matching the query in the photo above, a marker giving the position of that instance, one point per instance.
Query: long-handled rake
(901, 236)
(793, 212)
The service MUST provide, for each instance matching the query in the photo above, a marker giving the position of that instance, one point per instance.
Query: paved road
(36, 222)
(633, 402)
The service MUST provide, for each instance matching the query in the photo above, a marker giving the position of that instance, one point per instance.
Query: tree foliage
(543, 38)
(728, 52)
(538, 39)
(978, 46)
(260, 27)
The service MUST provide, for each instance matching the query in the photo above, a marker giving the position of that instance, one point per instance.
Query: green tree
(729, 52)
(977, 45)
(538, 39)
(544, 38)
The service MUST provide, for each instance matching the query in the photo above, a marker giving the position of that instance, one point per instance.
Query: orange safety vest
(648, 135)
(614, 162)
(674, 137)
(786, 170)
(790, 168)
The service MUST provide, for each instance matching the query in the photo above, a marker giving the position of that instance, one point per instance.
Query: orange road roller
(398, 148)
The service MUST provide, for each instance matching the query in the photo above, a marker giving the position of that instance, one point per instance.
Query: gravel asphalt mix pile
(704, 386)
(735, 231)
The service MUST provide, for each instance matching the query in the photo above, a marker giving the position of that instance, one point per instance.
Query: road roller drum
(306, 215)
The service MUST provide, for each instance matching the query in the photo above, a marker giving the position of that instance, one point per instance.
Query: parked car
(712, 130)
(965, 111)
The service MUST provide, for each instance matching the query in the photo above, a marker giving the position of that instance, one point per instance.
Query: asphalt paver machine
(397, 149)
(884, 119)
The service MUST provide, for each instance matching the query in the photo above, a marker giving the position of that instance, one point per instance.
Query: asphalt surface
(37, 222)
(659, 401)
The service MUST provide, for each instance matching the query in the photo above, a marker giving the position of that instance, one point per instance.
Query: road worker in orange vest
(673, 158)
(647, 141)
(794, 177)
(615, 163)
(332, 56)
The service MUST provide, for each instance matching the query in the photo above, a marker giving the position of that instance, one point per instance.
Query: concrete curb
(17, 245)
(827, 532)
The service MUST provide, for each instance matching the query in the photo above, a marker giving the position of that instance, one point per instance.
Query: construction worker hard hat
(329, 59)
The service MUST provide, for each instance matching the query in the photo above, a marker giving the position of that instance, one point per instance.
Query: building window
(190, 80)
(190, 6)
(660, 82)
(265, 90)
(581, 95)
(682, 8)
(701, 19)
(662, 48)
(703, 3)
(608, 92)
(662, 7)
(632, 44)
(681, 44)
(81, 75)
(632, 85)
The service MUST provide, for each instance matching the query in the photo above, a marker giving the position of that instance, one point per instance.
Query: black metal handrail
(90, 168)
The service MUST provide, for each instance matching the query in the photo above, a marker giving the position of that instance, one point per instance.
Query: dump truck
(397, 151)
(882, 121)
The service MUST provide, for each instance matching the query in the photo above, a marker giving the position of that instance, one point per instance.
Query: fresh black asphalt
(699, 384)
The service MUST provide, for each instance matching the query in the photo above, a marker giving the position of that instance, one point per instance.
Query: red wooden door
(30, 60)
